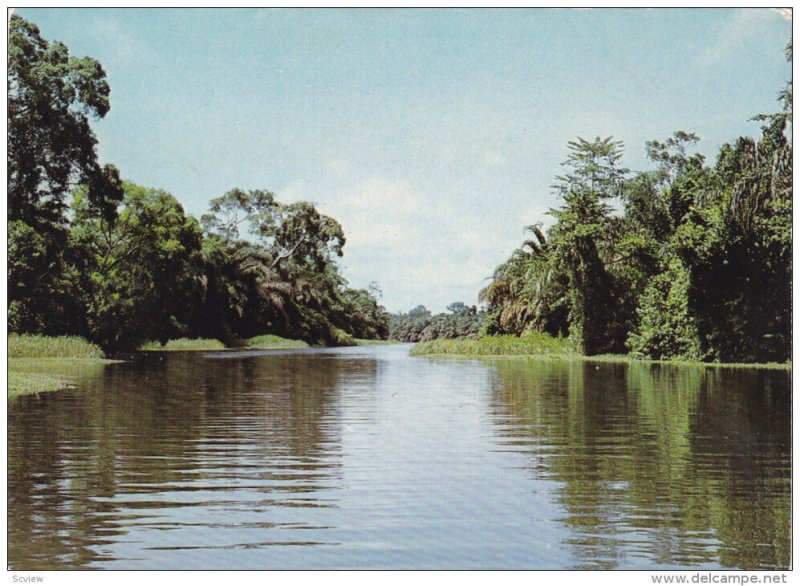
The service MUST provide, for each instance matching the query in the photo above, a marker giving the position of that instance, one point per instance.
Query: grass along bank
(365, 342)
(529, 344)
(264, 342)
(539, 345)
(38, 364)
(31, 346)
(271, 341)
(183, 344)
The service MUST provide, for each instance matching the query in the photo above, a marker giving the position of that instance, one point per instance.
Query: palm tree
(528, 290)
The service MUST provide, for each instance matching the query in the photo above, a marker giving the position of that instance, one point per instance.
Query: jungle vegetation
(120, 264)
(420, 325)
(686, 260)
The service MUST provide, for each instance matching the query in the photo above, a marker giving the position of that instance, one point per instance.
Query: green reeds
(33, 346)
(529, 344)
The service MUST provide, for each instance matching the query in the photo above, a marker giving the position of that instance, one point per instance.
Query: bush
(341, 338)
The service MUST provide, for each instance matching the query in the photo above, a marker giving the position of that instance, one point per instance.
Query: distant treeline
(420, 325)
(120, 264)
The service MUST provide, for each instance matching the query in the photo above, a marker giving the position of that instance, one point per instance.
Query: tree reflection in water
(677, 465)
(141, 446)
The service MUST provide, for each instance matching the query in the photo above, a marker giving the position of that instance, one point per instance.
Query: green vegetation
(182, 344)
(41, 364)
(185, 344)
(28, 376)
(31, 346)
(265, 341)
(685, 261)
(539, 345)
(273, 341)
(21, 382)
(682, 261)
(695, 262)
(419, 325)
(529, 344)
(122, 265)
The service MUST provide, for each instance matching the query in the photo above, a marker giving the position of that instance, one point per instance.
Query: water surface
(369, 458)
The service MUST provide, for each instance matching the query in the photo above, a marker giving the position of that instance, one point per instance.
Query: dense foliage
(419, 324)
(691, 261)
(121, 264)
(685, 260)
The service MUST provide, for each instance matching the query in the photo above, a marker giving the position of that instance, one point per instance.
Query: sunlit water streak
(369, 458)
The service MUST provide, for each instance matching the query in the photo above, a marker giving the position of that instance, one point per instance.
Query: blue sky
(433, 136)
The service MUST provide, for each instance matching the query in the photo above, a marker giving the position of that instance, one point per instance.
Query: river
(370, 458)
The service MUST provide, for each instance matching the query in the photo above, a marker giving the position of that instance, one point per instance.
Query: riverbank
(30, 376)
(529, 344)
(265, 342)
(183, 344)
(271, 341)
(542, 346)
(38, 364)
(364, 342)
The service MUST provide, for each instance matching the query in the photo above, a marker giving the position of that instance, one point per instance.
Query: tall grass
(185, 344)
(273, 341)
(33, 346)
(531, 343)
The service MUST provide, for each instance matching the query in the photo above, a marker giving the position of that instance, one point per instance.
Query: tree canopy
(121, 264)
(52, 96)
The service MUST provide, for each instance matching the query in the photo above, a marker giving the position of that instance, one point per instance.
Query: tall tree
(594, 177)
(284, 279)
(51, 147)
(143, 270)
(294, 231)
(528, 291)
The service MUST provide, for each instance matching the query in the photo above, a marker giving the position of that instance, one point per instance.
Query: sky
(432, 136)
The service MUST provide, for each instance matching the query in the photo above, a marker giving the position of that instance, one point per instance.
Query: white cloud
(407, 239)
